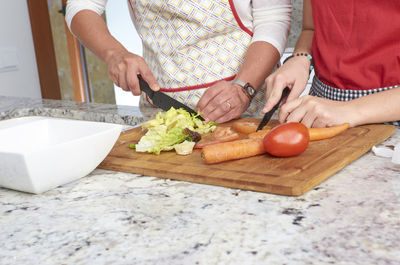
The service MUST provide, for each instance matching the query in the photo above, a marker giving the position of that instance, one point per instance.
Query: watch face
(250, 90)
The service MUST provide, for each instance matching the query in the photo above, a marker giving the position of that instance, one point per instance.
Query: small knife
(269, 114)
(163, 101)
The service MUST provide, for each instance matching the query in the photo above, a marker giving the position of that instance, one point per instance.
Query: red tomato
(287, 139)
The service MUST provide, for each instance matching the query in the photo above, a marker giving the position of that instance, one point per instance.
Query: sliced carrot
(259, 134)
(324, 133)
(225, 134)
(232, 150)
(220, 135)
(245, 127)
(200, 145)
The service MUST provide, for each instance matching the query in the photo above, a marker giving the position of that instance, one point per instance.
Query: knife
(269, 114)
(163, 101)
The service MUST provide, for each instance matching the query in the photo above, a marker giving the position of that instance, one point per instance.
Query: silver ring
(229, 104)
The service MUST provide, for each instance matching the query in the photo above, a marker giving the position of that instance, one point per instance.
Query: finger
(309, 119)
(269, 85)
(318, 123)
(276, 89)
(232, 114)
(114, 77)
(218, 106)
(148, 76)
(209, 96)
(228, 102)
(296, 115)
(133, 82)
(204, 100)
(122, 81)
(227, 112)
(287, 108)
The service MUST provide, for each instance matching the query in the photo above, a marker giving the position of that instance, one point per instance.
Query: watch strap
(238, 82)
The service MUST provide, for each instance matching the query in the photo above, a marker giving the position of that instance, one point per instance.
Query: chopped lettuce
(180, 118)
(168, 129)
(159, 139)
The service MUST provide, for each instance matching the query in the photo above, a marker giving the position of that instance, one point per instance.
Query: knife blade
(268, 115)
(162, 100)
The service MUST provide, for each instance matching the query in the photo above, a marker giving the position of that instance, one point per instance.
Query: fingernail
(156, 87)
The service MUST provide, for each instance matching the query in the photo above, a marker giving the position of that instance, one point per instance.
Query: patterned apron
(320, 89)
(190, 45)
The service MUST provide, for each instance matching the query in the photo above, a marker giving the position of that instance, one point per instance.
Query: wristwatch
(248, 89)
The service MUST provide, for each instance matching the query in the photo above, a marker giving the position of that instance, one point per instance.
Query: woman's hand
(317, 112)
(123, 68)
(293, 74)
(223, 102)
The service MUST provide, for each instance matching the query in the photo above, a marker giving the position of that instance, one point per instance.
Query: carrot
(315, 133)
(202, 144)
(220, 135)
(259, 134)
(245, 127)
(232, 150)
(224, 134)
(324, 133)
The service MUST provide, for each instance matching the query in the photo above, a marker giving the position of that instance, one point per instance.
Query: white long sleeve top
(269, 20)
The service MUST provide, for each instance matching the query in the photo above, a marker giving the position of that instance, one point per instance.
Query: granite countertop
(118, 218)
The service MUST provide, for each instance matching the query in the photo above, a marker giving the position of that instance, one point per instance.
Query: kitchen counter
(119, 218)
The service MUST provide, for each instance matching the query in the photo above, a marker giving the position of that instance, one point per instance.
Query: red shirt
(356, 43)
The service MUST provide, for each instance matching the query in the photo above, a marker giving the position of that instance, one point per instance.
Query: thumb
(273, 99)
(149, 78)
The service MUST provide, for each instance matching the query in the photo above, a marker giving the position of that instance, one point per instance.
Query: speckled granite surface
(12, 107)
(118, 218)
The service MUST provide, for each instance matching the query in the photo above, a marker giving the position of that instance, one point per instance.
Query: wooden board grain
(264, 173)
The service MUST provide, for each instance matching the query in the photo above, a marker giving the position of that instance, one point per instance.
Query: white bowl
(41, 153)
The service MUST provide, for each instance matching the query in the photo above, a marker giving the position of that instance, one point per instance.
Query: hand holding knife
(162, 100)
(269, 114)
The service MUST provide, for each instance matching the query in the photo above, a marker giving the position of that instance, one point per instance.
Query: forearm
(304, 41)
(260, 59)
(93, 33)
(376, 108)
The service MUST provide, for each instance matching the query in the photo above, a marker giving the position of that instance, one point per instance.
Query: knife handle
(145, 87)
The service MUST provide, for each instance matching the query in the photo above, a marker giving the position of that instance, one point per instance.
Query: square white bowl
(41, 153)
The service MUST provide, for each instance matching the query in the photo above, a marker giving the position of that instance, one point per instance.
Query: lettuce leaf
(155, 141)
(167, 130)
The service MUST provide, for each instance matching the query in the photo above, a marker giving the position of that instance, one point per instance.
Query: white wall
(122, 28)
(18, 70)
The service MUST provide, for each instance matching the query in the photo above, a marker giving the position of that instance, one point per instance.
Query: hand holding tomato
(287, 139)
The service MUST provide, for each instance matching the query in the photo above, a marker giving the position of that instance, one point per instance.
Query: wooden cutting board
(264, 173)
